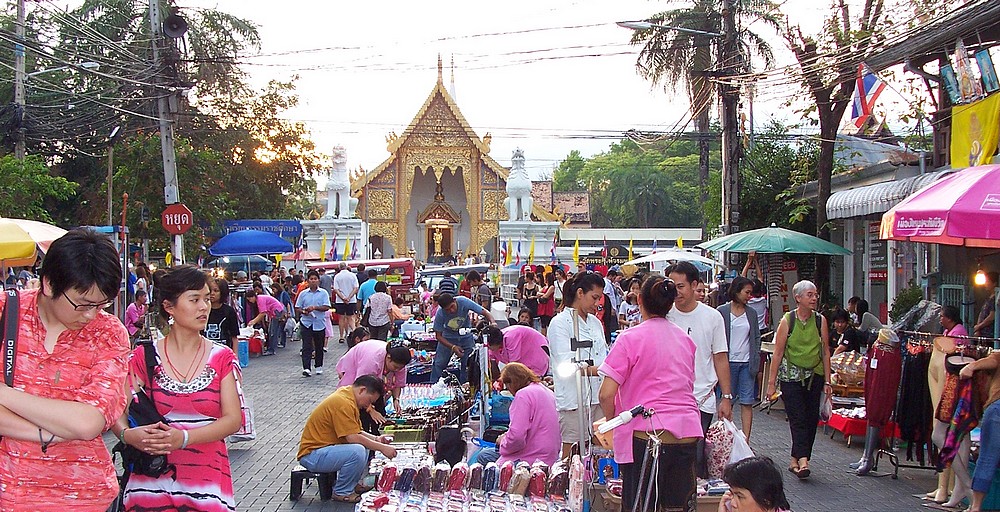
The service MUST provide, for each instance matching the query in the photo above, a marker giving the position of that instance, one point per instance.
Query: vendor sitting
(519, 344)
(332, 439)
(374, 357)
(845, 338)
(534, 422)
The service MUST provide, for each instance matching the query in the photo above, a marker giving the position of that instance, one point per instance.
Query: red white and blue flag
(552, 252)
(866, 91)
(517, 260)
(332, 256)
(604, 249)
(503, 253)
(654, 245)
(354, 250)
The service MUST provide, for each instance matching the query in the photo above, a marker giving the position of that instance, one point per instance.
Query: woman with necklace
(800, 344)
(194, 388)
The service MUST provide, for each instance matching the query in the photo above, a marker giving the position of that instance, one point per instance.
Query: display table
(850, 427)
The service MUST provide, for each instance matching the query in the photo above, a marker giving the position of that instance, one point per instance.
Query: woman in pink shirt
(951, 320)
(270, 309)
(374, 357)
(519, 344)
(652, 365)
(534, 422)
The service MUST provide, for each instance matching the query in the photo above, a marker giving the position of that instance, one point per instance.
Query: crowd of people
(628, 341)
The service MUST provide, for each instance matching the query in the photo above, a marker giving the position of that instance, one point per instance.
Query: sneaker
(319, 371)
(306, 373)
(341, 340)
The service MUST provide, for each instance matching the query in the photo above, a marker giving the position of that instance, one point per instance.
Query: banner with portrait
(975, 130)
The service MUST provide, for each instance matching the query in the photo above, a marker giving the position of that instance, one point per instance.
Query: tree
(775, 165)
(27, 186)
(566, 177)
(675, 57)
(828, 64)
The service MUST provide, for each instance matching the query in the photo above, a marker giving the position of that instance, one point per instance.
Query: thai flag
(518, 260)
(866, 91)
(552, 251)
(354, 250)
(201, 260)
(654, 246)
(503, 253)
(302, 241)
(333, 249)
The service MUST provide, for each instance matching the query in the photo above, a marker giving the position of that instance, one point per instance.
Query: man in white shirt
(345, 288)
(706, 328)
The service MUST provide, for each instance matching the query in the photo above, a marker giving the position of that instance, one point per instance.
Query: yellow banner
(975, 132)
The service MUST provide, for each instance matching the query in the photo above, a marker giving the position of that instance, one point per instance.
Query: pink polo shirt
(653, 364)
(368, 358)
(534, 427)
(269, 306)
(523, 345)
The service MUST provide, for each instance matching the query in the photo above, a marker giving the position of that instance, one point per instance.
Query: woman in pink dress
(194, 388)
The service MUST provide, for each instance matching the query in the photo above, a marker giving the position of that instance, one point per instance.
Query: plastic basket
(243, 352)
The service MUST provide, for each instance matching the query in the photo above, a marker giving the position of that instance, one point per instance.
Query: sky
(546, 77)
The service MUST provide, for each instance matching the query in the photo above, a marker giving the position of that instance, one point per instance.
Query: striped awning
(877, 198)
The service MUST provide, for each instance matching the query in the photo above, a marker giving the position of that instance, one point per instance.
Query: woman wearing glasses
(71, 359)
(194, 388)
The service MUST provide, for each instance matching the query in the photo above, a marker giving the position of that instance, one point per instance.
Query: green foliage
(769, 174)
(566, 177)
(27, 185)
(905, 300)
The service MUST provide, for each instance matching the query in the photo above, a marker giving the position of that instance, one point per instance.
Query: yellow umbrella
(19, 239)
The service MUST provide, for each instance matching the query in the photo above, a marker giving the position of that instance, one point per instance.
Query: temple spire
(440, 70)
(452, 89)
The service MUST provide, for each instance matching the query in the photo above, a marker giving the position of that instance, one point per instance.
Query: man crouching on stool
(333, 440)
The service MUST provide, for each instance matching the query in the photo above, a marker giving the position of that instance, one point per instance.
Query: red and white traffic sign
(177, 219)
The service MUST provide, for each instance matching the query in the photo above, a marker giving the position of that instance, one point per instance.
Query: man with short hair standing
(451, 319)
(711, 361)
(312, 305)
(345, 286)
(333, 440)
(367, 289)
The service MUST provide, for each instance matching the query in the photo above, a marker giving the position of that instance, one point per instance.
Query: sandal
(361, 489)
(350, 498)
(802, 473)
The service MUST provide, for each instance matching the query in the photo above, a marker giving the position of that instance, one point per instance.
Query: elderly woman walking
(803, 372)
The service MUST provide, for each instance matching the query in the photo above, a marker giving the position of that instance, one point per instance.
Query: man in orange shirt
(69, 382)
(332, 439)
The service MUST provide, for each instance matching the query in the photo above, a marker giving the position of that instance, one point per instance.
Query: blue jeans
(275, 334)
(989, 449)
(350, 461)
(443, 355)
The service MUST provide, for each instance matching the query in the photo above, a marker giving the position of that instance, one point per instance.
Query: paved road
(283, 399)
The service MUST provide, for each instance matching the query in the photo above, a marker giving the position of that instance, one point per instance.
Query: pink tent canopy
(960, 209)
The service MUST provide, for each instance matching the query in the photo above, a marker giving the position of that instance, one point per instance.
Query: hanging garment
(914, 410)
(882, 375)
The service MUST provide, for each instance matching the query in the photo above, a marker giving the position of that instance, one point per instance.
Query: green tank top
(804, 347)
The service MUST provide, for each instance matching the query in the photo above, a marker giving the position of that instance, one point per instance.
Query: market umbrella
(249, 242)
(773, 240)
(19, 239)
(962, 208)
(672, 255)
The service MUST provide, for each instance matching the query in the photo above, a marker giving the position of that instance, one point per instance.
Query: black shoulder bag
(142, 411)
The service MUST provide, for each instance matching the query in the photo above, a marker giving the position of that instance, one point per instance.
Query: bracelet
(45, 444)
(121, 435)
(185, 442)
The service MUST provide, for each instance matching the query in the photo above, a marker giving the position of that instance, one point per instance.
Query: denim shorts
(743, 383)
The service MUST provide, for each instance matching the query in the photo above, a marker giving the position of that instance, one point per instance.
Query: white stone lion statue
(519, 201)
(339, 203)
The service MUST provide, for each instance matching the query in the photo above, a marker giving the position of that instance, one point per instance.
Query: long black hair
(177, 281)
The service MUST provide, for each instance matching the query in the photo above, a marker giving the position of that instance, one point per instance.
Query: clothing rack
(984, 347)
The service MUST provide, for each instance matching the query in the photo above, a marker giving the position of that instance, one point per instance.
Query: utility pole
(171, 191)
(19, 150)
(730, 64)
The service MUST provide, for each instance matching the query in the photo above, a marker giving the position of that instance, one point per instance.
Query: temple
(439, 193)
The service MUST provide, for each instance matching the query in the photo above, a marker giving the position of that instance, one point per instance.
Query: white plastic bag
(741, 449)
(825, 407)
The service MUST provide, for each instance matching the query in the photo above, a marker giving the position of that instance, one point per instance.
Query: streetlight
(19, 80)
(729, 96)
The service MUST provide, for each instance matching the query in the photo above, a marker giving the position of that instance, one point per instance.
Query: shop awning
(877, 198)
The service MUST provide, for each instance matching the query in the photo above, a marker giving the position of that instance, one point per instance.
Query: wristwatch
(728, 396)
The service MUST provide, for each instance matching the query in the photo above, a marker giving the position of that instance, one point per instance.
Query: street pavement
(283, 399)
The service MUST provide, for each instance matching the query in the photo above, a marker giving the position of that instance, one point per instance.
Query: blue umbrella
(249, 242)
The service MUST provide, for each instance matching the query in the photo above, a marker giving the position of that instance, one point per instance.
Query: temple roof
(394, 142)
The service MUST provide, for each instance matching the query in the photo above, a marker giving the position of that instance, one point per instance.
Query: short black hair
(447, 273)
(381, 287)
(686, 269)
(140, 293)
(494, 336)
(371, 272)
(473, 276)
(658, 294)
(399, 355)
(761, 477)
(313, 273)
(952, 313)
(361, 267)
(853, 300)
(840, 314)
(371, 383)
(177, 281)
(445, 299)
(82, 259)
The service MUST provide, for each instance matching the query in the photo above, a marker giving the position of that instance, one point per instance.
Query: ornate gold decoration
(487, 230)
(439, 159)
(438, 127)
(493, 208)
(439, 211)
(382, 203)
(388, 231)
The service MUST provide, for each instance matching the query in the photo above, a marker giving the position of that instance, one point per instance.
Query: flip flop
(803, 473)
(793, 470)
(350, 498)
(361, 489)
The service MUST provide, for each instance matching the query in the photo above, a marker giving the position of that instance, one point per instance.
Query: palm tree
(674, 57)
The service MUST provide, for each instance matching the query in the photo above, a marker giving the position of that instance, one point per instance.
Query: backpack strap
(791, 322)
(9, 321)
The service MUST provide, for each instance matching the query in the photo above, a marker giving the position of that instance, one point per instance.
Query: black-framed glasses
(87, 307)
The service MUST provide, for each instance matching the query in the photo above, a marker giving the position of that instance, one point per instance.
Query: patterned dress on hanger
(203, 479)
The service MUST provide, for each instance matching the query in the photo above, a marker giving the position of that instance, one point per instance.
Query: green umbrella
(773, 240)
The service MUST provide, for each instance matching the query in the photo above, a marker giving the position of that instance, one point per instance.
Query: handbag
(366, 316)
(246, 431)
(142, 411)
